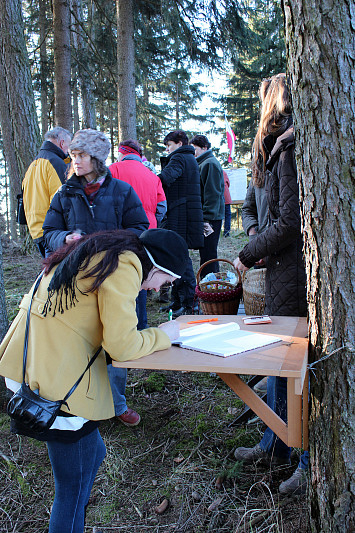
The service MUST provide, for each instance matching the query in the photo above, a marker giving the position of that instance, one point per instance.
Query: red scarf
(91, 189)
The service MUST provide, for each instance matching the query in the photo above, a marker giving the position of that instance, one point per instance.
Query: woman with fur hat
(91, 200)
(86, 299)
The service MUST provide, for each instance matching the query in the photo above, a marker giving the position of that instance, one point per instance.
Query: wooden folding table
(287, 359)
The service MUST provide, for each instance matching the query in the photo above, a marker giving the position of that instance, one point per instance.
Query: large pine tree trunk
(126, 92)
(62, 66)
(320, 44)
(18, 117)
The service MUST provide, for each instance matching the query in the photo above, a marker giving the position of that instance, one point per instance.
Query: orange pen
(204, 320)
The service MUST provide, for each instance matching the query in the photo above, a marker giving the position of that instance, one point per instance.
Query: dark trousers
(227, 219)
(183, 289)
(141, 309)
(209, 251)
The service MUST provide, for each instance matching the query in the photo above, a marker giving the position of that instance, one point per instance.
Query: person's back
(147, 185)
(212, 197)
(42, 180)
(180, 177)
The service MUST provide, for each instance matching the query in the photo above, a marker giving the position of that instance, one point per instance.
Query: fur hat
(93, 142)
(167, 250)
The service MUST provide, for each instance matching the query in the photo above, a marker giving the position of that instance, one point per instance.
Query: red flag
(230, 141)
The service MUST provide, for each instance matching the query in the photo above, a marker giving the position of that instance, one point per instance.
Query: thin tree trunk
(62, 67)
(75, 101)
(177, 105)
(4, 324)
(320, 44)
(43, 26)
(18, 117)
(126, 93)
(83, 69)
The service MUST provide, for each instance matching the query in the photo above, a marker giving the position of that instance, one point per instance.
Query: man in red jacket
(147, 185)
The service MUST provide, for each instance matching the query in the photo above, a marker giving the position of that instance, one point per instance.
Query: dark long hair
(76, 256)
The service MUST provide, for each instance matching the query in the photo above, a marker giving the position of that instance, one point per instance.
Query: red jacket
(146, 184)
(227, 194)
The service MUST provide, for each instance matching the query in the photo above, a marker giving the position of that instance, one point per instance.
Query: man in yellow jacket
(42, 180)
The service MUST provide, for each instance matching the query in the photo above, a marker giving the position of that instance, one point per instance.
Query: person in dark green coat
(212, 196)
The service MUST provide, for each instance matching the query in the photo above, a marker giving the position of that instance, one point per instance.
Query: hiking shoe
(129, 418)
(261, 386)
(296, 484)
(256, 454)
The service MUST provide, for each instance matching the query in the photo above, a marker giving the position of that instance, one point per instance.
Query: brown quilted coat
(281, 243)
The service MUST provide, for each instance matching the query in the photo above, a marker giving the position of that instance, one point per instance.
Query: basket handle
(213, 261)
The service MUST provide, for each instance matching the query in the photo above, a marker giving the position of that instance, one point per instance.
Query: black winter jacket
(281, 243)
(180, 177)
(116, 206)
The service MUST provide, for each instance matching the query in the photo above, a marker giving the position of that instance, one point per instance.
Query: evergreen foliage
(262, 56)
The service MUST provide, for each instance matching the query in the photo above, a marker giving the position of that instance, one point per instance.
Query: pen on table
(203, 320)
(170, 314)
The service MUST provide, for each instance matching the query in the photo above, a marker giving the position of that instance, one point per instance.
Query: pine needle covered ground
(180, 456)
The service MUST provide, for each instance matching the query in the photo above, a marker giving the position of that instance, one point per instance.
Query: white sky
(214, 85)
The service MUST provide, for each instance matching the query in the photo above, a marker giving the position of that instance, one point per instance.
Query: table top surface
(285, 359)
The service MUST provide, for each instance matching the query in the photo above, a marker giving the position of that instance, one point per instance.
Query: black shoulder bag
(20, 211)
(27, 407)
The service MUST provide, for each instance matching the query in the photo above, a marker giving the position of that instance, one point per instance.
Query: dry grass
(182, 451)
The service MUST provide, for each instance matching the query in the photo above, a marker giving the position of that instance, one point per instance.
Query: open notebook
(223, 339)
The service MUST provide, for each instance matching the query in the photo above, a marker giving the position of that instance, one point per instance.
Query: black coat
(116, 206)
(180, 177)
(281, 243)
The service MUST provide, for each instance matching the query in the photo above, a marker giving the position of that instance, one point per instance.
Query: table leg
(255, 403)
(294, 415)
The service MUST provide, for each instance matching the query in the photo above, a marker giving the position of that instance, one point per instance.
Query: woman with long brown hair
(281, 245)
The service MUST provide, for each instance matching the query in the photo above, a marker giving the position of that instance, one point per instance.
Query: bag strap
(82, 375)
(25, 347)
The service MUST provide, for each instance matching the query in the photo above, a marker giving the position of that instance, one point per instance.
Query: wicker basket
(254, 291)
(218, 297)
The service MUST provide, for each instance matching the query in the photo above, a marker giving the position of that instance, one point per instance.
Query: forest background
(126, 68)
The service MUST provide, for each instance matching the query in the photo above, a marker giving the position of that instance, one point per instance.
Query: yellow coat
(60, 347)
(40, 184)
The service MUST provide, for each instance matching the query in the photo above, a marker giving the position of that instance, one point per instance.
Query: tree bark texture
(320, 46)
(43, 60)
(126, 93)
(62, 64)
(18, 116)
(83, 63)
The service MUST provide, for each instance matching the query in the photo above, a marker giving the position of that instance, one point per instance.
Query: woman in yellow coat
(87, 298)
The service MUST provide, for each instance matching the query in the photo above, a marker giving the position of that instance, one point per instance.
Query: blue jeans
(118, 380)
(227, 219)
(141, 309)
(277, 401)
(74, 468)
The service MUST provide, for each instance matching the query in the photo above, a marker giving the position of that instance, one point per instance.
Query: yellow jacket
(60, 347)
(42, 180)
